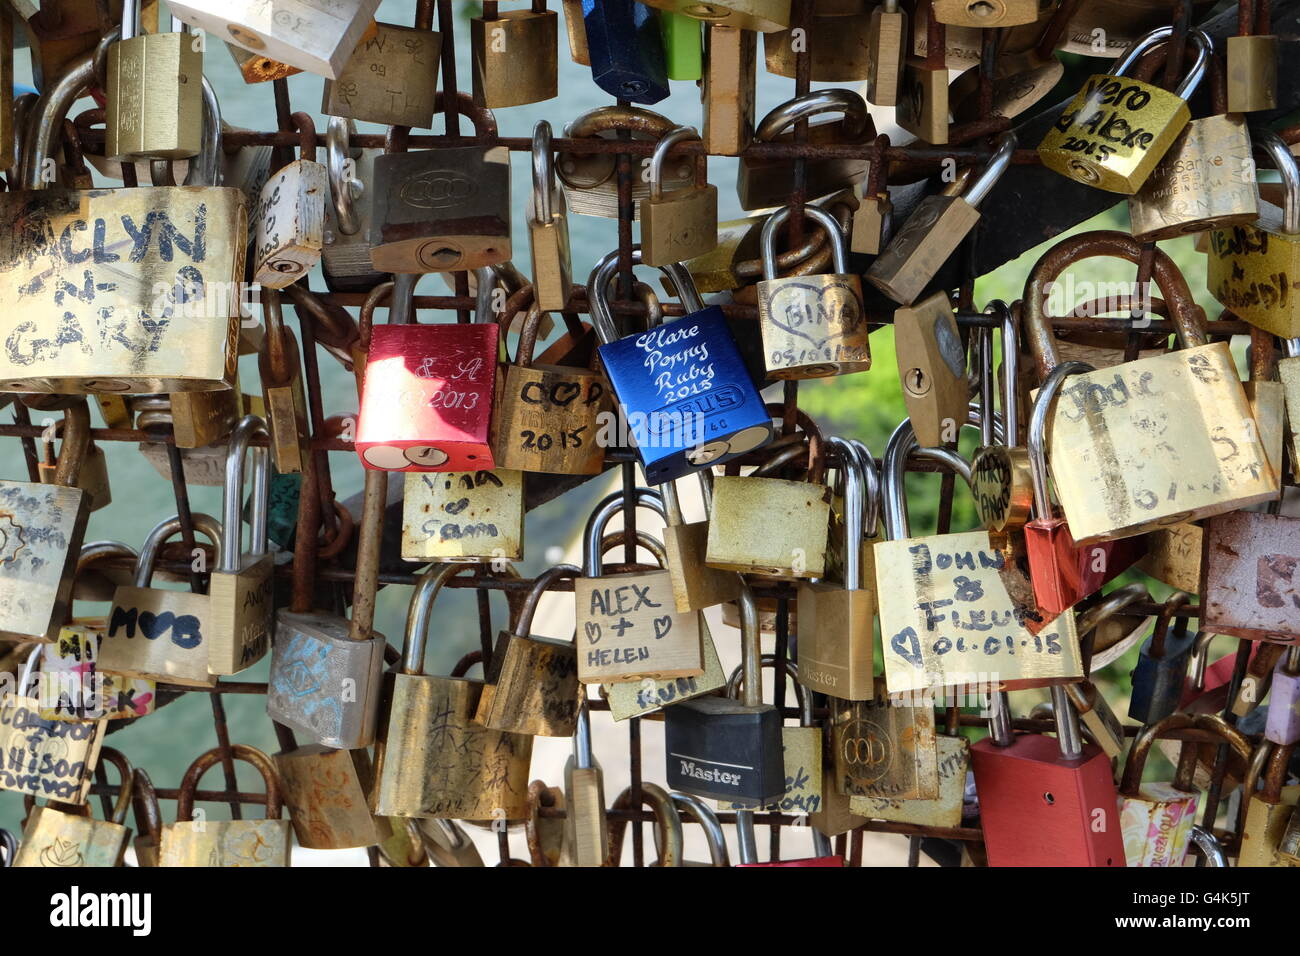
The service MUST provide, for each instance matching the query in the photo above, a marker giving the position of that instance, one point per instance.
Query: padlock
(240, 591)
(625, 50)
(628, 623)
(389, 79)
(1096, 717)
(682, 224)
(761, 16)
(1252, 61)
(345, 253)
(1246, 575)
(169, 323)
(887, 39)
(937, 226)
(325, 793)
(1001, 482)
(836, 636)
(548, 228)
(313, 37)
(161, 635)
(1020, 81)
(728, 88)
(1045, 802)
(812, 326)
(154, 92)
(1063, 572)
(463, 516)
(931, 369)
(689, 805)
(921, 106)
(695, 584)
(590, 180)
(790, 543)
(56, 838)
(148, 819)
(1161, 668)
(1282, 722)
(1116, 129)
(52, 759)
(945, 810)
(722, 749)
(43, 526)
(319, 661)
(885, 747)
(801, 749)
(446, 843)
(429, 392)
(280, 368)
(255, 68)
(668, 825)
(532, 682)
(1114, 486)
(839, 47)
(514, 56)
(1205, 181)
(766, 182)
(1109, 28)
(986, 14)
(432, 759)
(197, 419)
(577, 32)
(1269, 809)
(290, 216)
(1266, 395)
(92, 479)
(586, 832)
(202, 464)
(445, 209)
(683, 46)
(188, 842)
(685, 397)
(549, 415)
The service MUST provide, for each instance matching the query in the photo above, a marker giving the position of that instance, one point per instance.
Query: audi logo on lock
(437, 189)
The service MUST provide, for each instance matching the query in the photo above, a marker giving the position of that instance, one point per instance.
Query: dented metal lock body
(390, 79)
(515, 56)
(317, 36)
(153, 270)
(432, 758)
(428, 395)
(625, 49)
(1248, 576)
(325, 793)
(814, 325)
(683, 388)
(1117, 129)
(723, 749)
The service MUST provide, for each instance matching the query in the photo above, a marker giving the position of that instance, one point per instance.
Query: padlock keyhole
(1049, 798)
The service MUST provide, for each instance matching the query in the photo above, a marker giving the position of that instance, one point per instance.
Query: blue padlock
(626, 49)
(1161, 667)
(686, 399)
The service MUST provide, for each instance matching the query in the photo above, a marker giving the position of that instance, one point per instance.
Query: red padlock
(428, 393)
(1063, 574)
(1046, 802)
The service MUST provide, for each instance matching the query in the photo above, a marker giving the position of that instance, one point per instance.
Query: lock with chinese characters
(1116, 129)
(812, 325)
(625, 50)
(548, 228)
(155, 92)
(318, 38)
(515, 55)
(156, 634)
(221, 843)
(428, 393)
(290, 216)
(57, 838)
(445, 209)
(390, 78)
(935, 229)
(685, 395)
(682, 224)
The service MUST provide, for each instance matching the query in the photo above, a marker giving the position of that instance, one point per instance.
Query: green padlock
(282, 520)
(683, 45)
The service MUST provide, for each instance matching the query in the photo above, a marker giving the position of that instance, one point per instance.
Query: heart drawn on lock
(662, 626)
(815, 313)
(593, 631)
(154, 625)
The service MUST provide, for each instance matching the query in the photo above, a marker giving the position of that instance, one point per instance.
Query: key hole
(1048, 798)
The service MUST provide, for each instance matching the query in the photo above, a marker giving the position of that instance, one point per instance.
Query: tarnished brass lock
(728, 88)
(586, 830)
(390, 79)
(155, 93)
(280, 369)
(986, 14)
(884, 747)
(1269, 808)
(345, 254)
(682, 224)
(1000, 478)
(188, 842)
(887, 36)
(463, 517)
(761, 16)
(839, 46)
(922, 101)
(945, 810)
(290, 216)
(325, 793)
(255, 68)
(56, 838)
(1252, 60)
(932, 369)
(766, 182)
(695, 584)
(548, 228)
(577, 32)
(589, 179)
(935, 229)
(1117, 129)
(812, 326)
(515, 56)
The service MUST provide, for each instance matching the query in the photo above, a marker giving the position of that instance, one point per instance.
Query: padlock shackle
(366, 318)
(208, 760)
(97, 551)
(1112, 604)
(543, 166)
(1160, 35)
(690, 806)
(902, 443)
(279, 366)
(751, 649)
(401, 304)
(1000, 727)
(76, 444)
(857, 117)
(541, 584)
(977, 189)
(162, 532)
(1044, 405)
(851, 474)
(678, 134)
(870, 488)
(736, 683)
(583, 757)
(146, 810)
(1010, 332)
(1208, 845)
(207, 168)
(131, 27)
(343, 190)
(1272, 145)
(45, 125)
(1069, 737)
(594, 532)
(1134, 764)
(126, 783)
(9, 846)
(232, 497)
(834, 233)
(668, 825)
(419, 613)
(602, 318)
(1163, 619)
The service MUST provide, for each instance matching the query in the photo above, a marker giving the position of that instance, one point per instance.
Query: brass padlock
(945, 810)
(345, 255)
(325, 792)
(390, 79)
(887, 36)
(290, 216)
(885, 747)
(463, 517)
(515, 56)
(682, 224)
(56, 838)
(695, 584)
(586, 831)
(812, 325)
(728, 88)
(280, 368)
(932, 369)
(548, 228)
(839, 46)
(761, 16)
(922, 102)
(986, 14)
(1252, 60)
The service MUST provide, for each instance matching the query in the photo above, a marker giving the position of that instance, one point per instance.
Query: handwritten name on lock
(1249, 271)
(947, 620)
(806, 323)
(46, 758)
(1109, 121)
(477, 509)
(628, 628)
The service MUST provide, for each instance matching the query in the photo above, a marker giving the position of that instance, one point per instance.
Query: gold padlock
(515, 56)
(57, 838)
(728, 88)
